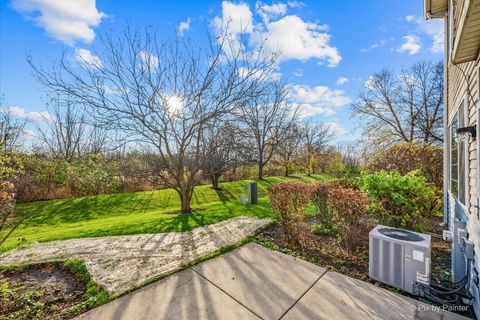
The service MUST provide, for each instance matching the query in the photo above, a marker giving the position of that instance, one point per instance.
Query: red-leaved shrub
(348, 205)
(289, 201)
(320, 198)
(7, 208)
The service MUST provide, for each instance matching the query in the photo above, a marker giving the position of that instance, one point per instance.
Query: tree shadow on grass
(225, 195)
(181, 222)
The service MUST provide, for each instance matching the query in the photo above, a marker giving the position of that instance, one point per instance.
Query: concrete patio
(253, 282)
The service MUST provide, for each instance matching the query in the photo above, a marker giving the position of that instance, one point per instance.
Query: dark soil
(326, 251)
(45, 291)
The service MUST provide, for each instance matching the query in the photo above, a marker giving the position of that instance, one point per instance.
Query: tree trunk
(286, 171)
(260, 170)
(214, 180)
(185, 200)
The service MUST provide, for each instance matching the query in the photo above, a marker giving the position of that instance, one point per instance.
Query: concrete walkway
(122, 263)
(253, 282)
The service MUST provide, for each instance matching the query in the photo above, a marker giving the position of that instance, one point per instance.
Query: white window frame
(466, 123)
(463, 104)
(477, 107)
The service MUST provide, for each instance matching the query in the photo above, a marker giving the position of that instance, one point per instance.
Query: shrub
(41, 179)
(345, 182)
(322, 230)
(406, 157)
(321, 201)
(11, 165)
(45, 178)
(400, 201)
(349, 205)
(320, 197)
(8, 219)
(289, 201)
(92, 175)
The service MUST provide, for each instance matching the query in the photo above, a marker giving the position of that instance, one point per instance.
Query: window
(457, 157)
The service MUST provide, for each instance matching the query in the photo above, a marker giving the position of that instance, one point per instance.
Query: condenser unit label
(418, 255)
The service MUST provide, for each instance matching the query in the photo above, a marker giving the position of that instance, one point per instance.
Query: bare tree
(316, 136)
(289, 146)
(64, 130)
(97, 139)
(351, 156)
(162, 93)
(406, 107)
(267, 117)
(11, 130)
(328, 159)
(219, 144)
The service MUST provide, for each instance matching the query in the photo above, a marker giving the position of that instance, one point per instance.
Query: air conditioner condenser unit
(399, 258)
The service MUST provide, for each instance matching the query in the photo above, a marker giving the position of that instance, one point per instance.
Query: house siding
(463, 87)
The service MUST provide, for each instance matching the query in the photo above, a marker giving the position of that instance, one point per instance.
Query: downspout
(446, 172)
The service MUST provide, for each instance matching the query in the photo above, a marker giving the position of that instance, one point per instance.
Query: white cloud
(300, 40)
(336, 127)
(183, 26)
(298, 72)
(29, 135)
(268, 12)
(433, 28)
(87, 58)
(318, 100)
(369, 82)
(236, 17)
(65, 20)
(289, 35)
(258, 74)
(296, 4)
(378, 44)
(309, 110)
(411, 45)
(341, 81)
(149, 60)
(33, 116)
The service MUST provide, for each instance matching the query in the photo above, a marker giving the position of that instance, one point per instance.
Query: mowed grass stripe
(138, 212)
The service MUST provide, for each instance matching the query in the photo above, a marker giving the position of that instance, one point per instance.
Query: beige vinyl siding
(463, 84)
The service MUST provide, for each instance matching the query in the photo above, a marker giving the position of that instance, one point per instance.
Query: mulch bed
(326, 252)
(42, 291)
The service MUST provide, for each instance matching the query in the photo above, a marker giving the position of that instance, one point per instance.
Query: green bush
(407, 157)
(42, 179)
(289, 201)
(45, 178)
(322, 230)
(400, 201)
(92, 175)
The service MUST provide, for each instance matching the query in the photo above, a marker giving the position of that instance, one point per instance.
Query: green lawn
(137, 212)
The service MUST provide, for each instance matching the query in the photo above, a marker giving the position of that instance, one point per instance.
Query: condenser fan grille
(400, 234)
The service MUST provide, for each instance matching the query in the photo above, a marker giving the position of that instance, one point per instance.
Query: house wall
(462, 83)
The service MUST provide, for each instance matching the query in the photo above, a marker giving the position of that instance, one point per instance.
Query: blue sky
(329, 48)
